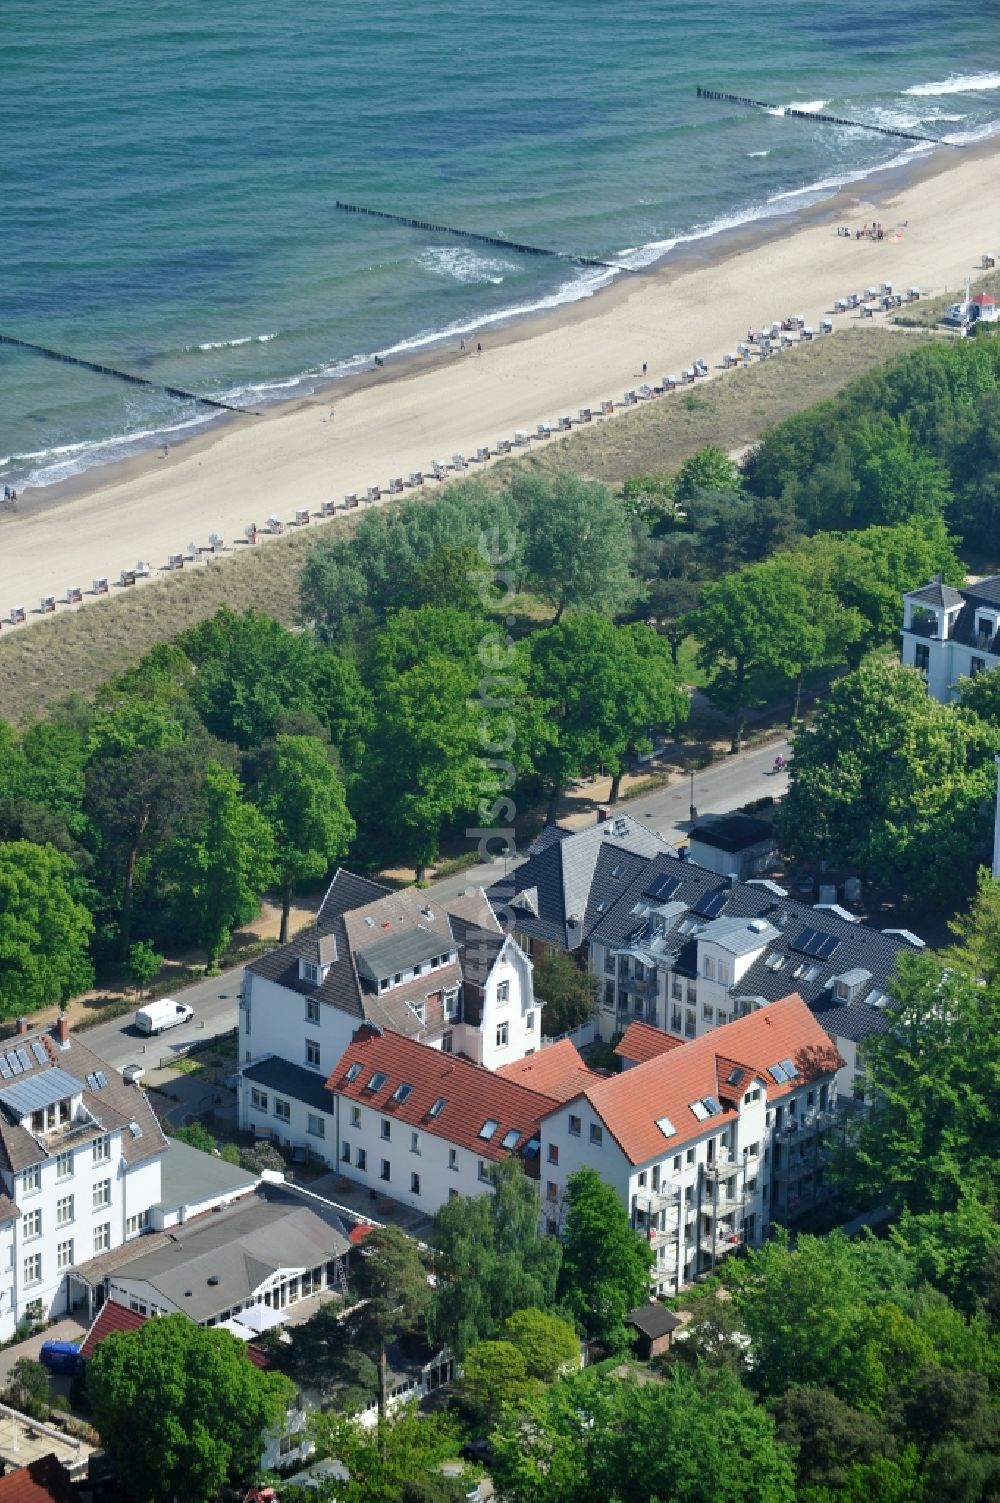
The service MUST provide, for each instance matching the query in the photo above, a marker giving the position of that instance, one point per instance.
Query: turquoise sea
(168, 173)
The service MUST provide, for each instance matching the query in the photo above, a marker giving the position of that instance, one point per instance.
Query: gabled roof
(734, 833)
(653, 1320)
(937, 594)
(49, 1071)
(469, 1095)
(111, 1317)
(292, 1080)
(641, 1042)
(43, 1481)
(631, 1104)
(557, 1071)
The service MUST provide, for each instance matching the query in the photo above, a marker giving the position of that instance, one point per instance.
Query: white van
(163, 1014)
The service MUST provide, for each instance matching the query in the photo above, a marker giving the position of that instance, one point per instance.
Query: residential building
(80, 1168)
(705, 1142)
(951, 634)
(421, 1127)
(443, 973)
(734, 845)
(689, 950)
(44, 1480)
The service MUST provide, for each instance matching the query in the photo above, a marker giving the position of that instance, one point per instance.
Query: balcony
(722, 1169)
(647, 988)
(805, 1126)
(723, 1206)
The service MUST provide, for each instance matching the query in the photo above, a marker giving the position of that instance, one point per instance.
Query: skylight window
(712, 1105)
(488, 1128)
(735, 1076)
(790, 1068)
(378, 1080)
(402, 1093)
(666, 1127)
(438, 1107)
(510, 1138)
(777, 1074)
(700, 1110)
(354, 1071)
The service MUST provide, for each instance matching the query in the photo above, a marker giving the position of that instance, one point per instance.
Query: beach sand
(699, 304)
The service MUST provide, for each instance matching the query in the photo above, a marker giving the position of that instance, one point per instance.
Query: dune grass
(75, 652)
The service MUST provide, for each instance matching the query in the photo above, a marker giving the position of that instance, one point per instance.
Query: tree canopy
(578, 544)
(44, 929)
(569, 992)
(606, 1265)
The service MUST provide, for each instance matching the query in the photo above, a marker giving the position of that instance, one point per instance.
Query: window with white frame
(710, 967)
(724, 974)
(102, 1237)
(503, 1035)
(315, 1126)
(414, 1142)
(574, 1126)
(386, 1130)
(312, 1053)
(312, 1010)
(64, 1210)
(282, 1109)
(529, 1022)
(64, 1165)
(102, 1149)
(503, 991)
(64, 1255)
(345, 1152)
(33, 1269)
(102, 1194)
(355, 1116)
(484, 1173)
(136, 1224)
(258, 1099)
(31, 1180)
(32, 1225)
(453, 1158)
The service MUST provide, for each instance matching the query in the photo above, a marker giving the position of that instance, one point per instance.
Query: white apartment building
(707, 1142)
(443, 974)
(80, 1155)
(950, 634)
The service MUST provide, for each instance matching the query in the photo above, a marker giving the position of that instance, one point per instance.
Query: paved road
(717, 790)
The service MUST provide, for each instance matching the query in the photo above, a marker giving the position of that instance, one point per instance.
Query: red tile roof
(43, 1481)
(641, 1042)
(111, 1317)
(471, 1094)
(629, 1104)
(557, 1071)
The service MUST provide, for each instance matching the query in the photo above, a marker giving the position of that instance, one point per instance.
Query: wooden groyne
(110, 370)
(759, 104)
(497, 240)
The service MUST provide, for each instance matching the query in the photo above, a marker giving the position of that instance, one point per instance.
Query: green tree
(320, 1353)
(548, 1344)
(455, 572)
(949, 1248)
(181, 1410)
(143, 964)
(570, 993)
(709, 469)
(932, 1136)
(495, 1374)
(408, 1447)
(672, 603)
(606, 1265)
(392, 1279)
(225, 864)
(827, 1436)
(28, 1388)
(44, 930)
(602, 689)
(578, 548)
(890, 782)
(491, 1260)
(302, 798)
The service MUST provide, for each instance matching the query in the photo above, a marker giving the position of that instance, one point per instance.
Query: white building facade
(951, 634)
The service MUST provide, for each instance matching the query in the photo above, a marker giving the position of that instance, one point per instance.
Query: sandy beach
(939, 220)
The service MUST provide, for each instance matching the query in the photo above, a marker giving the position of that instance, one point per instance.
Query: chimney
(22, 1026)
(62, 1031)
(603, 813)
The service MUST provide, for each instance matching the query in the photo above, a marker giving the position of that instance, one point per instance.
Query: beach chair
(216, 542)
(503, 445)
(174, 561)
(74, 595)
(374, 493)
(520, 437)
(585, 414)
(913, 296)
(101, 585)
(327, 508)
(701, 368)
(544, 430)
(728, 361)
(302, 519)
(670, 383)
(193, 552)
(808, 333)
(887, 289)
(416, 478)
(872, 293)
(483, 454)
(275, 525)
(459, 462)
(825, 326)
(867, 311)
(631, 399)
(607, 407)
(645, 391)
(688, 376)
(989, 261)
(350, 499)
(396, 486)
(840, 306)
(142, 570)
(18, 615)
(565, 424)
(48, 605)
(440, 469)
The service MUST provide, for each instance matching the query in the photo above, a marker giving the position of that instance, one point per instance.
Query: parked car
(158, 1016)
(60, 1357)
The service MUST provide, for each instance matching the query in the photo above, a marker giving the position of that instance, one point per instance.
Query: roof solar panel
(711, 904)
(16, 1067)
(815, 943)
(101, 1079)
(22, 1055)
(790, 1068)
(38, 1051)
(662, 887)
(777, 1074)
(5, 1070)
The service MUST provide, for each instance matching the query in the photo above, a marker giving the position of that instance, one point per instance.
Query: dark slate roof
(737, 832)
(340, 986)
(782, 968)
(653, 1320)
(987, 591)
(480, 948)
(936, 593)
(345, 892)
(291, 1080)
(964, 629)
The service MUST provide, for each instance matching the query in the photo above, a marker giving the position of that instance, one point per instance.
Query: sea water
(169, 173)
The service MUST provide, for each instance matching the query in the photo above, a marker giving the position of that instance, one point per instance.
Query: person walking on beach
(479, 349)
(461, 348)
(644, 367)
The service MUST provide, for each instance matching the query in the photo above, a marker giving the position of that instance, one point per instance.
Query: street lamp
(693, 810)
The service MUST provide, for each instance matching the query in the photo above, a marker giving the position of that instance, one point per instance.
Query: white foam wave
(958, 83)
(977, 133)
(43, 467)
(232, 344)
(464, 265)
(758, 153)
(813, 106)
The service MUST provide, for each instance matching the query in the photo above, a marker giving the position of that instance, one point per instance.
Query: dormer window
(312, 973)
(56, 1114)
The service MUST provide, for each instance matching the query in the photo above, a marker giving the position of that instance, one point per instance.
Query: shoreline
(534, 368)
